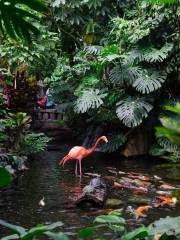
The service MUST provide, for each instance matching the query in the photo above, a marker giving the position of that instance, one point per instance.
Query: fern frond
(148, 83)
(93, 50)
(91, 98)
(124, 75)
(116, 140)
(131, 111)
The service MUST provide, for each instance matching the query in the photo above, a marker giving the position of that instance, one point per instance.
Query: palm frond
(149, 82)
(91, 98)
(131, 111)
(124, 74)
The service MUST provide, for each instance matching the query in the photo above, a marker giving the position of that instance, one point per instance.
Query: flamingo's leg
(80, 167)
(76, 169)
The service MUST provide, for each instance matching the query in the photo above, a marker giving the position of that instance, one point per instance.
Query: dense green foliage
(112, 62)
(163, 229)
(17, 141)
(168, 135)
(33, 233)
(16, 18)
(119, 67)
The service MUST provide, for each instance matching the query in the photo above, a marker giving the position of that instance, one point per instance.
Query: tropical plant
(15, 125)
(29, 63)
(34, 143)
(133, 110)
(170, 125)
(168, 135)
(19, 141)
(35, 232)
(16, 18)
(114, 67)
(164, 228)
(90, 99)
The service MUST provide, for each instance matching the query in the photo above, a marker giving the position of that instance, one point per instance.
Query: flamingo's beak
(105, 139)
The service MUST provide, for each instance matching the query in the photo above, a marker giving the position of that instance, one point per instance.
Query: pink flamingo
(78, 153)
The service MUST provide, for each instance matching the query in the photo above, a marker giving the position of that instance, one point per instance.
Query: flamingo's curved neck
(91, 150)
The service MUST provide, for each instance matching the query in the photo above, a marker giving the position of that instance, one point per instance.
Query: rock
(138, 143)
(113, 202)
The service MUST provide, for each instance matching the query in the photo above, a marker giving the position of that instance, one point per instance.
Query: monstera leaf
(91, 98)
(16, 18)
(131, 111)
(148, 83)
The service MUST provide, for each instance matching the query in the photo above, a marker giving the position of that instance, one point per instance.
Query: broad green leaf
(15, 15)
(139, 233)
(16, 229)
(175, 109)
(109, 219)
(41, 229)
(87, 232)
(132, 110)
(10, 237)
(5, 177)
(168, 225)
(57, 236)
(91, 98)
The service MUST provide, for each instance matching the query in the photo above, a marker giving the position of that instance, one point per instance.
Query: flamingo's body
(78, 153)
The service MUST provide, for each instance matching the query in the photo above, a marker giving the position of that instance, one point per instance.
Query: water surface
(20, 204)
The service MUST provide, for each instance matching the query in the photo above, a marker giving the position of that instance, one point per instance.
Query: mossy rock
(113, 202)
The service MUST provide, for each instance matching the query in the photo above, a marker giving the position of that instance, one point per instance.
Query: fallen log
(93, 194)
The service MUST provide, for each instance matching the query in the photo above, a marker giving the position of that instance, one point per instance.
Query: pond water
(20, 204)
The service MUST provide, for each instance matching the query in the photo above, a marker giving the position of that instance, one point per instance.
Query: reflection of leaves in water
(172, 170)
(173, 174)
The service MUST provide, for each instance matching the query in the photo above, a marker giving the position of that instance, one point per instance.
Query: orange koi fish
(167, 186)
(139, 211)
(139, 176)
(139, 191)
(99, 212)
(118, 185)
(142, 183)
(166, 200)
